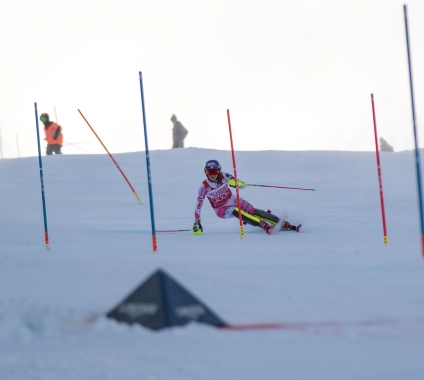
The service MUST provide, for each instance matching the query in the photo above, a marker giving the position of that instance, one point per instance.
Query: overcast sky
(296, 75)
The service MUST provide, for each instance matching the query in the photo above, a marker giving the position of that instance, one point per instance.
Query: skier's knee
(235, 213)
(247, 208)
(225, 213)
(246, 219)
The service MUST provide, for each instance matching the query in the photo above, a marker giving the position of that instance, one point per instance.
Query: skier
(224, 202)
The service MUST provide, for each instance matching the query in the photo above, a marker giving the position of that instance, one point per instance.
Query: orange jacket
(50, 132)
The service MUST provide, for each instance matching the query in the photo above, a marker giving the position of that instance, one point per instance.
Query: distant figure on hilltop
(179, 133)
(384, 146)
(54, 135)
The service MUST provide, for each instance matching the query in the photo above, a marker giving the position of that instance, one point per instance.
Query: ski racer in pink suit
(216, 189)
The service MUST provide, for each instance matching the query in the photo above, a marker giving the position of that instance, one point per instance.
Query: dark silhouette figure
(179, 133)
(384, 146)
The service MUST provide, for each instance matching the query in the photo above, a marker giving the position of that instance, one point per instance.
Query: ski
(271, 223)
(279, 225)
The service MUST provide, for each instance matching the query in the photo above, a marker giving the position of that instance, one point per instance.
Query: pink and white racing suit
(222, 200)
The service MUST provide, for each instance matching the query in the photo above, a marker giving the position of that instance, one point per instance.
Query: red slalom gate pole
(126, 179)
(235, 176)
(380, 181)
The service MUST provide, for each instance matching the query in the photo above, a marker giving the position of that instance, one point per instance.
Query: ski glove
(197, 227)
(232, 183)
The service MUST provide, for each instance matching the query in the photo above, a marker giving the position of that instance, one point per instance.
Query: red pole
(126, 179)
(235, 176)
(380, 181)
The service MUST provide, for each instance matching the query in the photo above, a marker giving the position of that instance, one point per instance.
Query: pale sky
(296, 75)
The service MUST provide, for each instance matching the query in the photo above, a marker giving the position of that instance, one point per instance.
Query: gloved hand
(232, 183)
(197, 227)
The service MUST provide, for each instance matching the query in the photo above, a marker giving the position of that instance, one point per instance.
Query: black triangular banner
(161, 302)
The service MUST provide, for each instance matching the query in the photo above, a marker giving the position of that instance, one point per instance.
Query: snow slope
(354, 307)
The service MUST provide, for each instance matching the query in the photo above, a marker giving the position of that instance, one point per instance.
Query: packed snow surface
(352, 308)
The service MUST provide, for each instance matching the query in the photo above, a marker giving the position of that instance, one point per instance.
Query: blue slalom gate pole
(149, 176)
(417, 152)
(46, 231)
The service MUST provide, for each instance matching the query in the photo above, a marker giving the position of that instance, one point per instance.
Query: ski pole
(126, 179)
(172, 230)
(279, 187)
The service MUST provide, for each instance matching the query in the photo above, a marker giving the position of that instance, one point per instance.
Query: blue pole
(149, 176)
(46, 232)
(417, 152)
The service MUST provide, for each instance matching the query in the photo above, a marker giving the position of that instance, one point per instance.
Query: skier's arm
(197, 226)
(201, 194)
(57, 133)
(232, 183)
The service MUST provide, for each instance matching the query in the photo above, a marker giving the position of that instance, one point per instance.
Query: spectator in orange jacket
(54, 135)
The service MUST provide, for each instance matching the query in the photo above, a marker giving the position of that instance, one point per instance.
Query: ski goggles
(212, 171)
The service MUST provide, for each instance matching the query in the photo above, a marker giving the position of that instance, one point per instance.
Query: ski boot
(286, 226)
(266, 226)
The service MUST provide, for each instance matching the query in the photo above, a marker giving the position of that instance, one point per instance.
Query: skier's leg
(226, 211)
(246, 218)
(285, 225)
(253, 220)
(247, 213)
(246, 207)
(266, 215)
(230, 210)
